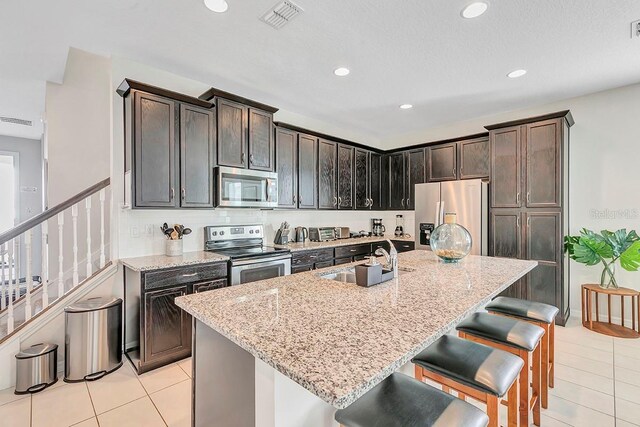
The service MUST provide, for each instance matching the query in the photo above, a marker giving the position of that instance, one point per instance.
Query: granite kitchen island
(288, 351)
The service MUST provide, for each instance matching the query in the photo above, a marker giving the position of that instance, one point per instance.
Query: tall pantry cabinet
(529, 213)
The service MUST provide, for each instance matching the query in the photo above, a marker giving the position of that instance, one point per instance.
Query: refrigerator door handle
(436, 218)
(441, 217)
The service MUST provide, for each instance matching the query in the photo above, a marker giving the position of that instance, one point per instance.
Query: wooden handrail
(49, 213)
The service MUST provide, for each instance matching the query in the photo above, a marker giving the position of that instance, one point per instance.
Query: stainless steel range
(250, 259)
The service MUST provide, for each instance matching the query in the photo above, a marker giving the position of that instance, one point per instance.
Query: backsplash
(140, 233)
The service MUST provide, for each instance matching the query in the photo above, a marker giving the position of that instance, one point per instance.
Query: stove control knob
(214, 233)
(250, 231)
(222, 233)
(257, 231)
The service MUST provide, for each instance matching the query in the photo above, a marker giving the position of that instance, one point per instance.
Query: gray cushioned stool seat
(401, 401)
(476, 365)
(511, 332)
(537, 311)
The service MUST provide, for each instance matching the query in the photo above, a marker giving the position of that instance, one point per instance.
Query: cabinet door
(361, 179)
(544, 244)
(197, 156)
(505, 167)
(286, 166)
(396, 181)
(260, 140)
(345, 177)
(327, 153)
(307, 171)
(543, 175)
(415, 175)
(442, 163)
(155, 151)
(232, 133)
(474, 156)
(506, 241)
(167, 329)
(375, 181)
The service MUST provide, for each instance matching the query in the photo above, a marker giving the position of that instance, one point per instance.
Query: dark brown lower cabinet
(403, 245)
(168, 332)
(163, 332)
(544, 244)
(340, 261)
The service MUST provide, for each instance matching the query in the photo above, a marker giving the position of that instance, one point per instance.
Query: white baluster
(60, 255)
(16, 265)
(29, 278)
(74, 223)
(102, 255)
(10, 308)
(88, 208)
(3, 285)
(44, 275)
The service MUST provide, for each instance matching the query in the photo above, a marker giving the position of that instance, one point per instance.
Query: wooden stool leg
(462, 396)
(545, 367)
(418, 372)
(552, 354)
(524, 389)
(536, 384)
(492, 410)
(512, 405)
(446, 389)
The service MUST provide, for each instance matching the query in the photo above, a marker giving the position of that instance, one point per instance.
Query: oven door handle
(260, 260)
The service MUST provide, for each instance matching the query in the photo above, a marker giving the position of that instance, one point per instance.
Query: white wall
(78, 114)
(603, 163)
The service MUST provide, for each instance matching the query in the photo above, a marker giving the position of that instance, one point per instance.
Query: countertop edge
(341, 402)
(179, 262)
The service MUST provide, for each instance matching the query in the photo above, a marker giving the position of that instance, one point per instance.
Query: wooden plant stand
(609, 328)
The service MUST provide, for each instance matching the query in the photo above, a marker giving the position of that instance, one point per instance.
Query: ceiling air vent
(15, 121)
(281, 14)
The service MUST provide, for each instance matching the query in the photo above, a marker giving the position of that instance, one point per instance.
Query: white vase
(173, 247)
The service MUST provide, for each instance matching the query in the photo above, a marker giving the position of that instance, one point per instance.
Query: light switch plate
(635, 29)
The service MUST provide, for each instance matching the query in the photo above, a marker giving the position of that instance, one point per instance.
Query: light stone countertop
(156, 262)
(308, 245)
(339, 340)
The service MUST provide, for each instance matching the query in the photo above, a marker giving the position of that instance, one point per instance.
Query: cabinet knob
(518, 198)
(242, 158)
(402, 202)
(183, 193)
(528, 197)
(173, 193)
(250, 159)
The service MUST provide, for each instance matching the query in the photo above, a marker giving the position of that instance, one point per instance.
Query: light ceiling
(419, 52)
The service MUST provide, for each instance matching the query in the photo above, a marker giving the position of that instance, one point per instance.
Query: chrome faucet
(390, 258)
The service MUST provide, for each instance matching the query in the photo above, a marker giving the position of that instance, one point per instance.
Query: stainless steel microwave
(244, 188)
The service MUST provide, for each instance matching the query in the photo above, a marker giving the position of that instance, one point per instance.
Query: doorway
(9, 179)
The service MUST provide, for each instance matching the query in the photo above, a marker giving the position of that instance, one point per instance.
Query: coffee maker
(377, 229)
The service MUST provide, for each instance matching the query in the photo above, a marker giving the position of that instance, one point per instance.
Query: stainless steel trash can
(36, 368)
(93, 338)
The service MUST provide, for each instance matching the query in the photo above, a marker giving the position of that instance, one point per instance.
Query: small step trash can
(93, 339)
(36, 368)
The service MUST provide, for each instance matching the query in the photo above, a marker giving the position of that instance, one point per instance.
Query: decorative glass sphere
(450, 241)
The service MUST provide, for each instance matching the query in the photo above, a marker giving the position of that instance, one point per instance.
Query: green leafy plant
(607, 247)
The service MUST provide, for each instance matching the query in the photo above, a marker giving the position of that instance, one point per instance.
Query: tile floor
(597, 385)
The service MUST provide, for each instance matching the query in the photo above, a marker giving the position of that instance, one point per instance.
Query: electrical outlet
(135, 232)
(635, 29)
(149, 230)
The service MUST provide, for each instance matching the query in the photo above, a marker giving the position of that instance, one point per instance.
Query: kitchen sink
(349, 275)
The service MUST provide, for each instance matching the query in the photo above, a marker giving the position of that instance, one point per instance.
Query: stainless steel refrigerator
(468, 199)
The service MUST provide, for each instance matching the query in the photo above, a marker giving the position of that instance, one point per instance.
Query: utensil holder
(173, 247)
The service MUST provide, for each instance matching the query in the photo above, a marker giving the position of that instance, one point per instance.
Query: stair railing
(27, 288)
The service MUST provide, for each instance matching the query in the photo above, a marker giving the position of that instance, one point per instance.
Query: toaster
(322, 234)
(343, 233)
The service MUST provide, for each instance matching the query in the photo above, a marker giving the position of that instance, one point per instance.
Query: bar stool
(401, 401)
(516, 337)
(475, 370)
(543, 315)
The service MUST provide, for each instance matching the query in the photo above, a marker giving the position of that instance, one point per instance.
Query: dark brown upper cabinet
(287, 167)
(154, 151)
(396, 188)
(327, 158)
(197, 156)
(307, 171)
(261, 145)
(543, 165)
(362, 179)
(474, 156)
(506, 168)
(442, 162)
(415, 169)
(375, 179)
(232, 133)
(345, 176)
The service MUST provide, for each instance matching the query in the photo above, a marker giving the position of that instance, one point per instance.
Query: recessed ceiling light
(474, 10)
(218, 6)
(406, 106)
(341, 72)
(516, 73)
